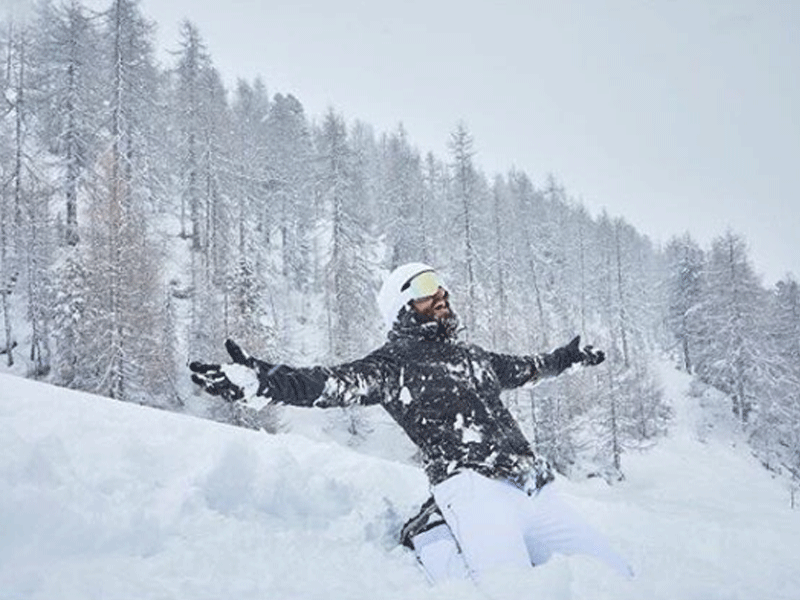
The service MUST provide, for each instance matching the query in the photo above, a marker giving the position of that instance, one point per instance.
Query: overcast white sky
(679, 115)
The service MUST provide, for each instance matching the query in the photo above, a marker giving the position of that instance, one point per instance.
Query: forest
(147, 213)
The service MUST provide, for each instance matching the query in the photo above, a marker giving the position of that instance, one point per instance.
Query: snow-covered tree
(249, 272)
(122, 355)
(26, 229)
(192, 67)
(67, 97)
(732, 354)
(120, 332)
(684, 286)
(201, 113)
(348, 285)
(69, 321)
(776, 433)
(289, 153)
(468, 192)
(501, 265)
(401, 197)
(433, 223)
(530, 256)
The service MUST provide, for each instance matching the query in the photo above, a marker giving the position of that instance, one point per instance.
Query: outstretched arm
(514, 371)
(258, 383)
(563, 358)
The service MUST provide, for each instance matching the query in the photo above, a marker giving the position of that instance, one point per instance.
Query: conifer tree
(289, 152)
(466, 187)
(402, 199)
(69, 321)
(776, 434)
(124, 305)
(248, 272)
(685, 263)
(433, 219)
(350, 311)
(202, 117)
(732, 353)
(67, 98)
(27, 232)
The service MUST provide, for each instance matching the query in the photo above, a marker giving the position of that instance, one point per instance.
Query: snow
(247, 380)
(102, 499)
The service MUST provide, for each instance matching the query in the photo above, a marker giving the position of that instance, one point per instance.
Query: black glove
(592, 357)
(563, 358)
(214, 380)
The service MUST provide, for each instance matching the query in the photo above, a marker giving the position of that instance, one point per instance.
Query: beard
(443, 320)
(410, 321)
(439, 311)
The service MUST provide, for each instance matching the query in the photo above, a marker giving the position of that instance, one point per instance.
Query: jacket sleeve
(515, 371)
(365, 381)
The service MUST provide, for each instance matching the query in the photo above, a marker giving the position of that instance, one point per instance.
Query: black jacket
(443, 393)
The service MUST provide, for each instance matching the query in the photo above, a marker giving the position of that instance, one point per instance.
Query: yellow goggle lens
(423, 285)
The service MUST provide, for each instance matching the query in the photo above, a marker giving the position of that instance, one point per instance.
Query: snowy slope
(101, 499)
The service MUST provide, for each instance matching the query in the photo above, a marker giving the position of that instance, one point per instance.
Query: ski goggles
(422, 285)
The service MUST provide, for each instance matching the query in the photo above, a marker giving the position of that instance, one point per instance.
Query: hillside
(104, 499)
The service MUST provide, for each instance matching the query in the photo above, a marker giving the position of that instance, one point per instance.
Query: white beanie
(391, 298)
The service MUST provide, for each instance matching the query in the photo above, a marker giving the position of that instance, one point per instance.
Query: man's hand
(563, 358)
(592, 357)
(245, 376)
(214, 380)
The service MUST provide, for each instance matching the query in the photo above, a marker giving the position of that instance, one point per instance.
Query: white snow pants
(496, 524)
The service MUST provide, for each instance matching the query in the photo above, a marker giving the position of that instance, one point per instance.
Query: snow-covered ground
(105, 500)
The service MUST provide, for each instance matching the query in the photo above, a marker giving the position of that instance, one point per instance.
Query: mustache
(441, 302)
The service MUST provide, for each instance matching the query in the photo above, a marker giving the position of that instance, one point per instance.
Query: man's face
(435, 306)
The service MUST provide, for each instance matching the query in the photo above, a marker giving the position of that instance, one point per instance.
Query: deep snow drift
(101, 499)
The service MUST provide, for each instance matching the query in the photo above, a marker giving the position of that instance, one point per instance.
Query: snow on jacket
(445, 394)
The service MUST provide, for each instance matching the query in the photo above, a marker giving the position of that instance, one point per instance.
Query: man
(491, 503)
